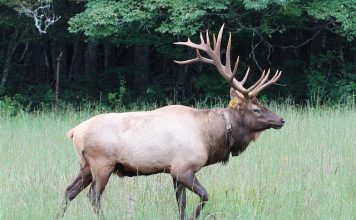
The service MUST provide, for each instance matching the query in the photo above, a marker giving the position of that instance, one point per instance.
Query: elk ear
(234, 102)
(235, 98)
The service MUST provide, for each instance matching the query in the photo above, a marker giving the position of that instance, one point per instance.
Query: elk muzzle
(276, 122)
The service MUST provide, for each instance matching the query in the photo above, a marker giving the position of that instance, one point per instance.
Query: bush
(10, 106)
(116, 99)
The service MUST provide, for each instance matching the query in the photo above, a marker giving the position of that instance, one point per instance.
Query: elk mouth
(277, 125)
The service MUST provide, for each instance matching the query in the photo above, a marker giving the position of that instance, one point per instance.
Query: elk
(175, 139)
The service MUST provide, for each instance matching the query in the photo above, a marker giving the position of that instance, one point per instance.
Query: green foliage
(212, 85)
(36, 97)
(344, 91)
(327, 82)
(187, 17)
(155, 93)
(10, 106)
(263, 4)
(317, 82)
(116, 99)
(17, 3)
(108, 17)
(342, 14)
(100, 19)
(10, 18)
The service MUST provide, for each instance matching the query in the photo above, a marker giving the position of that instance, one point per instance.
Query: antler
(225, 71)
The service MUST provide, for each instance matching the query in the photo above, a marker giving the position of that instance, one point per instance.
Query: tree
(14, 26)
(125, 43)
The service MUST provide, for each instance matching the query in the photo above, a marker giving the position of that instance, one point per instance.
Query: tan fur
(172, 139)
(169, 139)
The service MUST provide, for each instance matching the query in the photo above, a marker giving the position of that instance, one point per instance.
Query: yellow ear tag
(234, 102)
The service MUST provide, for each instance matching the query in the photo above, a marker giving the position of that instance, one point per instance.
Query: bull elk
(175, 139)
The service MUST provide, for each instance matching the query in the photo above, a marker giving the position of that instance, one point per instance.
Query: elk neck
(225, 132)
(242, 135)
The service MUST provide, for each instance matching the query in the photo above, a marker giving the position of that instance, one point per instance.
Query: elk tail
(70, 133)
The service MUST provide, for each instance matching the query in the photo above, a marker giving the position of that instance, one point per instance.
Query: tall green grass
(306, 170)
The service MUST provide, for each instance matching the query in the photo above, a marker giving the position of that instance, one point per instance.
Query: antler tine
(236, 66)
(227, 64)
(214, 39)
(201, 39)
(187, 61)
(274, 79)
(197, 59)
(264, 79)
(259, 88)
(257, 83)
(193, 45)
(234, 83)
(245, 77)
(208, 47)
(230, 75)
(204, 59)
(218, 42)
(202, 46)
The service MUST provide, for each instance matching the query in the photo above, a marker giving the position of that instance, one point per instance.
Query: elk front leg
(180, 196)
(189, 180)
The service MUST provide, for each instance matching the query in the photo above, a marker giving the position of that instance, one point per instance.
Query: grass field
(306, 170)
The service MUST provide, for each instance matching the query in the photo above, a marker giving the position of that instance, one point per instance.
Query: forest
(117, 52)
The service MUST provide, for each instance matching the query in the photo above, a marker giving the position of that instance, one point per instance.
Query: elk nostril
(283, 122)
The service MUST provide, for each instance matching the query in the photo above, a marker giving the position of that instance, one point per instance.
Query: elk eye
(256, 110)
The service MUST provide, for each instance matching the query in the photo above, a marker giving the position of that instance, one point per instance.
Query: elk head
(243, 100)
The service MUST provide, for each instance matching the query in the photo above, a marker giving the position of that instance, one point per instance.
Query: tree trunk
(57, 81)
(11, 48)
(6, 73)
(141, 69)
(318, 47)
(47, 67)
(76, 64)
(91, 58)
(342, 60)
(108, 56)
(2, 48)
(59, 47)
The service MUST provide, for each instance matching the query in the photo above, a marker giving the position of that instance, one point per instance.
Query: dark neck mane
(215, 134)
(241, 133)
(242, 141)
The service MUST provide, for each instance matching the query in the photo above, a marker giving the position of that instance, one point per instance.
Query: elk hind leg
(101, 175)
(82, 180)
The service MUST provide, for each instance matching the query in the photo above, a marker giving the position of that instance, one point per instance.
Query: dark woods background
(120, 52)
